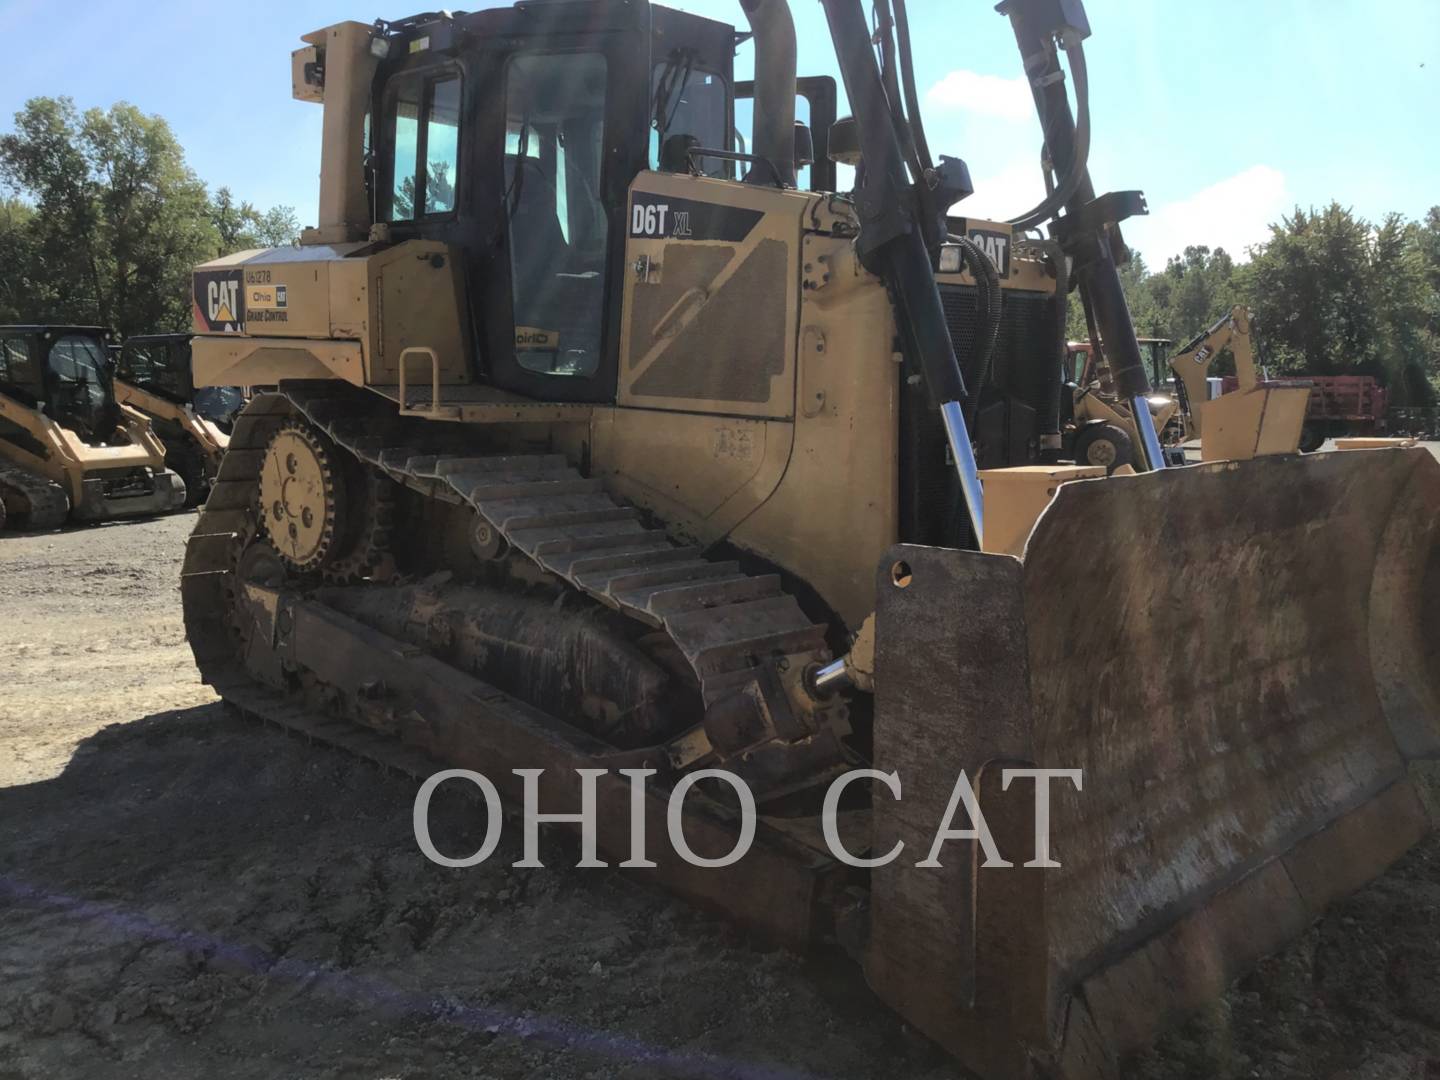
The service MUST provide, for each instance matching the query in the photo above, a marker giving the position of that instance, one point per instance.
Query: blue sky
(1227, 113)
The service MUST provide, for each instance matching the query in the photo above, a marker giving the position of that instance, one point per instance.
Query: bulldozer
(596, 442)
(152, 376)
(68, 449)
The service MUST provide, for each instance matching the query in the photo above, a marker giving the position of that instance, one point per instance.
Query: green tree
(119, 219)
(439, 192)
(239, 226)
(106, 221)
(1310, 288)
(18, 287)
(278, 227)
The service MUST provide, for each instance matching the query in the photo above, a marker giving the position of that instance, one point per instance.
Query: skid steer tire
(188, 463)
(1104, 444)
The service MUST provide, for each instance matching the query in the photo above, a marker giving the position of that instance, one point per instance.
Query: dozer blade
(1242, 659)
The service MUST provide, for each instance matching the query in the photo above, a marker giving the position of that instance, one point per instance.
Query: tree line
(1330, 294)
(102, 221)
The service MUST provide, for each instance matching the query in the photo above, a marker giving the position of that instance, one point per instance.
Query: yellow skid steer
(152, 376)
(68, 449)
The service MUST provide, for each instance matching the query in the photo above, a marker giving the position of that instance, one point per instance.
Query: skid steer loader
(152, 376)
(594, 442)
(68, 449)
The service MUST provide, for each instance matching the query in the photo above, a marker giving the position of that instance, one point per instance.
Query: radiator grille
(1005, 432)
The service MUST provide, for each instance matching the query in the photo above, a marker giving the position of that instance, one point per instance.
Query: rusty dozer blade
(1242, 659)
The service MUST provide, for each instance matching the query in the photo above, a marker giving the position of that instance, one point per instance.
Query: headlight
(949, 259)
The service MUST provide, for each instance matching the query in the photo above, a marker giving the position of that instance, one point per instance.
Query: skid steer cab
(604, 428)
(152, 376)
(69, 450)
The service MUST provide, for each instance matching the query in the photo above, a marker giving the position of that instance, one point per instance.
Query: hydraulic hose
(990, 295)
(912, 97)
(1046, 399)
(1062, 192)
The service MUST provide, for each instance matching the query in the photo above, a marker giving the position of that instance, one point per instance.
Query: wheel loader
(68, 449)
(595, 442)
(1100, 431)
(152, 376)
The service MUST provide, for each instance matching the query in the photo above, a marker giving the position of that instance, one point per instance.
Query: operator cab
(158, 363)
(514, 134)
(1154, 351)
(65, 372)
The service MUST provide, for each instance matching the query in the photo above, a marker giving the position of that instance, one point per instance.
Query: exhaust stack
(774, 84)
(337, 70)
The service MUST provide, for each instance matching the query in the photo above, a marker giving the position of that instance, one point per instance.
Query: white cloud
(983, 95)
(1233, 213)
(1011, 190)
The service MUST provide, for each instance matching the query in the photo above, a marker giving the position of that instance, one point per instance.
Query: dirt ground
(184, 893)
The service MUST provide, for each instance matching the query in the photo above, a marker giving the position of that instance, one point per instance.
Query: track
(48, 506)
(726, 624)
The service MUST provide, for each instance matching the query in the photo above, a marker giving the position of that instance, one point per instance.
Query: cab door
(559, 99)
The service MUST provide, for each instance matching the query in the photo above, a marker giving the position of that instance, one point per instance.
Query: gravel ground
(184, 893)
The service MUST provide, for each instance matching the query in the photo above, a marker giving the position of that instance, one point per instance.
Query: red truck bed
(1353, 398)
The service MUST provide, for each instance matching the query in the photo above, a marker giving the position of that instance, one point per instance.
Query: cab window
(558, 230)
(78, 365)
(15, 362)
(687, 100)
(423, 128)
(157, 366)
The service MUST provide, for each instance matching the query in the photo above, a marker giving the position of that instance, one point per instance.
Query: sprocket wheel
(368, 557)
(302, 496)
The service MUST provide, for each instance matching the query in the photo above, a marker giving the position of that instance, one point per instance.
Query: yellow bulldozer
(68, 449)
(152, 376)
(595, 441)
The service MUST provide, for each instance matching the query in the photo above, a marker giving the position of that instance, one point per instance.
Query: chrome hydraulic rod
(1154, 457)
(964, 455)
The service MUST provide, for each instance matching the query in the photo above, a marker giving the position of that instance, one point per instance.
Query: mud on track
(185, 893)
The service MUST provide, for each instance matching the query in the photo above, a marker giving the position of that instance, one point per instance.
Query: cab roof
(52, 328)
